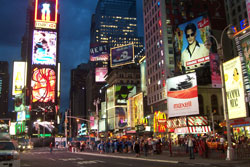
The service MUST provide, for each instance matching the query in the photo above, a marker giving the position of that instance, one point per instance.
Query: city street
(61, 158)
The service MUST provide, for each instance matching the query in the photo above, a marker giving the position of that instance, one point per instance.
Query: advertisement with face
(215, 70)
(121, 117)
(190, 38)
(122, 55)
(46, 10)
(44, 47)
(99, 52)
(43, 84)
(123, 92)
(234, 88)
(100, 73)
(182, 95)
(19, 72)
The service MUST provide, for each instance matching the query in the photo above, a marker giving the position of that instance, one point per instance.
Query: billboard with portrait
(99, 52)
(234, 88)
(122, 55)
(100, 73)
(46, 14)
(120, 117)
(44, 47)
(43, 85)
(19, 77)
(123, 92)
(182, 95)
(190, 38)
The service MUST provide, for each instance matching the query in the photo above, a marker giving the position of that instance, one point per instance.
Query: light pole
(221, 55)
(96, 103)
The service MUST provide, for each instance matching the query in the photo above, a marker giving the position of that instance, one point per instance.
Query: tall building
(161, 18)
(115, 23)
(4, 88)
(40, 51)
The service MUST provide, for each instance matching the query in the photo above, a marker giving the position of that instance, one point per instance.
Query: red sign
(46, 11)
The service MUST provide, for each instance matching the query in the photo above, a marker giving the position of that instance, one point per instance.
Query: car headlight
(29, 147)
(19, 146)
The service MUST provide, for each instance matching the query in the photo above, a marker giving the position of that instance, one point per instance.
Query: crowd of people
(189, 144)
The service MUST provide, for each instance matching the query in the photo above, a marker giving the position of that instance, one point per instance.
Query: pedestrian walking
(190, 143)
(51, 147)
(137, 149)
(145, 148)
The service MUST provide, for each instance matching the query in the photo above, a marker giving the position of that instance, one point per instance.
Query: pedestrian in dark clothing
(137, 149)
(190, 143)
(145, 148)
(51, 147)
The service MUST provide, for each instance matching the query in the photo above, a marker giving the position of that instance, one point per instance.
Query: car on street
(9, 156)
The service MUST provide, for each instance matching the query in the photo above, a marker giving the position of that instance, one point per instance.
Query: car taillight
(9, 157)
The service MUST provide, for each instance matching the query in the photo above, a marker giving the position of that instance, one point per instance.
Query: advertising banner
(99, 52)
(215, 70)
(248, 9)
(199, 129)
(100, 72)
(44, 47)
(130, 112)
(19, 77)
(43, 85)
(177, 122)
(123, 92)
(20, 116)
(138, 109)
(19, 103)
(122, 55)
(182, 95)
(234, 88)
(242, 42)
(46, 14)
(120, 117)
(143, 76)
(110, 97)
(197, 120)
(190, 38)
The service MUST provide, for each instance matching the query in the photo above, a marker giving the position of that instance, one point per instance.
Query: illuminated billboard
(121, 117)
(99, 52)
(58, 79)
(182, 95)
(123, 92)
(234, 88)
(122, 55)
(43, 85)
(143, 66)
(100, 72)
(46, 14)
(19, 77)
(190, 38)
(44, 47)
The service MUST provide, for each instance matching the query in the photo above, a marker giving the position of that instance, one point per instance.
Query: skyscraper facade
(4, 88)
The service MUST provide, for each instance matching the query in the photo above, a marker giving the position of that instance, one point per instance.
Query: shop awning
(199, 129)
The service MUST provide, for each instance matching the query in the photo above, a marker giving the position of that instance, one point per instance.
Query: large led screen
(100, 73)
(215, 70)
(43, 85)
(122, 55)
(123, 92)
(190, 38)
(182, 95)
(143, 66)
(120, 117)
(44, 47)
(234, 88)
(99, 52)
(19, 77)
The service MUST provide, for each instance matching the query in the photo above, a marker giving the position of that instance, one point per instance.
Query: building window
(214, 104)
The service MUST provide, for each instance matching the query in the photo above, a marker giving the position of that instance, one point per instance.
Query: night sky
(75, 23)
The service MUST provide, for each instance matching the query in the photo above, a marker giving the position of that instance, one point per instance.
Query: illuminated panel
(44, 47)
(99, 52)
(19, 77)
(43, 85)
(122, 55)
(58, 79)
(46, 14)
(1, 85)
(100, 72)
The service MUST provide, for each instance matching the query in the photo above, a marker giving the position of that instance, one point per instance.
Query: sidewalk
(184, 159)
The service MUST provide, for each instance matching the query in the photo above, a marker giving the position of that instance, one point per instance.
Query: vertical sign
(234, 88)
(248, 9)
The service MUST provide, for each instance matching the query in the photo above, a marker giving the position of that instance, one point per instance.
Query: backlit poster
(123, 92)
(182, 95)
(215, 70)
(143, 76)
(122, 55)
(43, 85)
(190, 38)
(138, 108)
(121, 117)
(99, 52)
(46, 14)
(100, 73)
(19, 77)
(234, 88)
(44, 47)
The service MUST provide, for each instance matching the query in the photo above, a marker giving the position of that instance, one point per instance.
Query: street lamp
(221, 55)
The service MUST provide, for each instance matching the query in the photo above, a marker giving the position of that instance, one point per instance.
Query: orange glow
(241, 31)
(46, 17)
